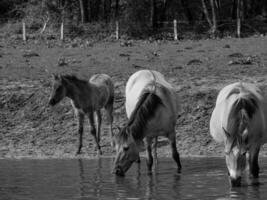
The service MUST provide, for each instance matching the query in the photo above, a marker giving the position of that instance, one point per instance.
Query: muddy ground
(197, 69)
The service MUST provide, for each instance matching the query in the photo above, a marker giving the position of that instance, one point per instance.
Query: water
(201, 178)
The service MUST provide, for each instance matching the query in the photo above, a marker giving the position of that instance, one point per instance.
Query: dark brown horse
(87, 98)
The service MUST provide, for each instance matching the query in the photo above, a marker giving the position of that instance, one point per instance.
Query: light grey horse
(239, 120)
(152, 106)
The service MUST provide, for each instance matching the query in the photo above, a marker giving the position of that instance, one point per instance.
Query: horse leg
(155, 155)
(93, 131)
(175, 154)
(99, 121)
(149, 154)
(253, 162)
(80, 131)
(109, 112)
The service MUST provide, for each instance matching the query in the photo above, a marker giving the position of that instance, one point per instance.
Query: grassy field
(197, 69)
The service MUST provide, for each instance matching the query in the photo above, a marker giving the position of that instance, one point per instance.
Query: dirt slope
(197, 69)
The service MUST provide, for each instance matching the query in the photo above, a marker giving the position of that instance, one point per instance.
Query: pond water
(201, 178)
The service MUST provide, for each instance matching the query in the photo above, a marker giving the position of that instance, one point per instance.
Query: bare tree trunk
(117, 9)
(245, 9)
(86, 10)
(206, 13)
(82, 10)
(234, 9)
(214, 17)
(238, 18)
(187, 10)
(97, 9)
(264, 8)
(163, 14)
(153, 13)
(218, 6)
(107, 8)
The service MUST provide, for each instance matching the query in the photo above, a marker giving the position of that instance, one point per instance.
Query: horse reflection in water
(239, 121)
(153, 106)
(87, 99)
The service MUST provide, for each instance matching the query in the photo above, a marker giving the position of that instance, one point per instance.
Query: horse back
(150, 81)
(252, 101)
(103, 87)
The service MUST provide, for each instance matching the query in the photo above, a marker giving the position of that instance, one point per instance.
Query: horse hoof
(179, 171)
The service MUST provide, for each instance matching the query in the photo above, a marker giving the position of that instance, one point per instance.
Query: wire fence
(114, 29)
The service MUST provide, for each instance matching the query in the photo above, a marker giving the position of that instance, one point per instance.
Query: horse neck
(135, 128)
(75, 88)
(142, 114)
(238, 125)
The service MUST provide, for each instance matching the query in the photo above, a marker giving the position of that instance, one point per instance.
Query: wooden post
(175, 29)
(23, 31)
(238, 18)
(117, 30)
(62, 31)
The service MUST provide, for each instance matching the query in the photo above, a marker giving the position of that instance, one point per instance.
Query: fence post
(117, 30)
(23, 31)
(62, 31)
(175, 29)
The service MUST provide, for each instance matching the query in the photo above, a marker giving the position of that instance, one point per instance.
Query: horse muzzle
(119, 171)
(235, 182)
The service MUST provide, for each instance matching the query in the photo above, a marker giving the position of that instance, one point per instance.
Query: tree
(153, 14)
(117, 9)
(84, 10)
(206, 13)
(214, 17)
(187, 10)
(238, 17)
(107, 9)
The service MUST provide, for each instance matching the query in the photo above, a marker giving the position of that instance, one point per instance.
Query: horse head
(127, 151)
(59, 90)
(235, 156)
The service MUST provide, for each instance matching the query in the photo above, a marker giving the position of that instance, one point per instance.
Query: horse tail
(145, 110)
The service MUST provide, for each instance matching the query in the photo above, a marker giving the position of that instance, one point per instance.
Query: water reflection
(82, 179)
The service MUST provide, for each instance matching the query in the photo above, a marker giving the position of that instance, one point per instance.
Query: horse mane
(145, 109)
(73, 78)
(243, 109)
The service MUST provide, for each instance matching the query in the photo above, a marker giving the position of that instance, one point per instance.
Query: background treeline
(138, 18)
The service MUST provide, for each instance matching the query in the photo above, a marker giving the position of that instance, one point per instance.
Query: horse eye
(125, 148)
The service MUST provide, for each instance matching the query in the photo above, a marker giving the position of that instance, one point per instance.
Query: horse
(239, 121)
(87, 99)
(152, 106)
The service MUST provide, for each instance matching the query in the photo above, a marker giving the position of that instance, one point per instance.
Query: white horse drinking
(153, 106)
(239, 120)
